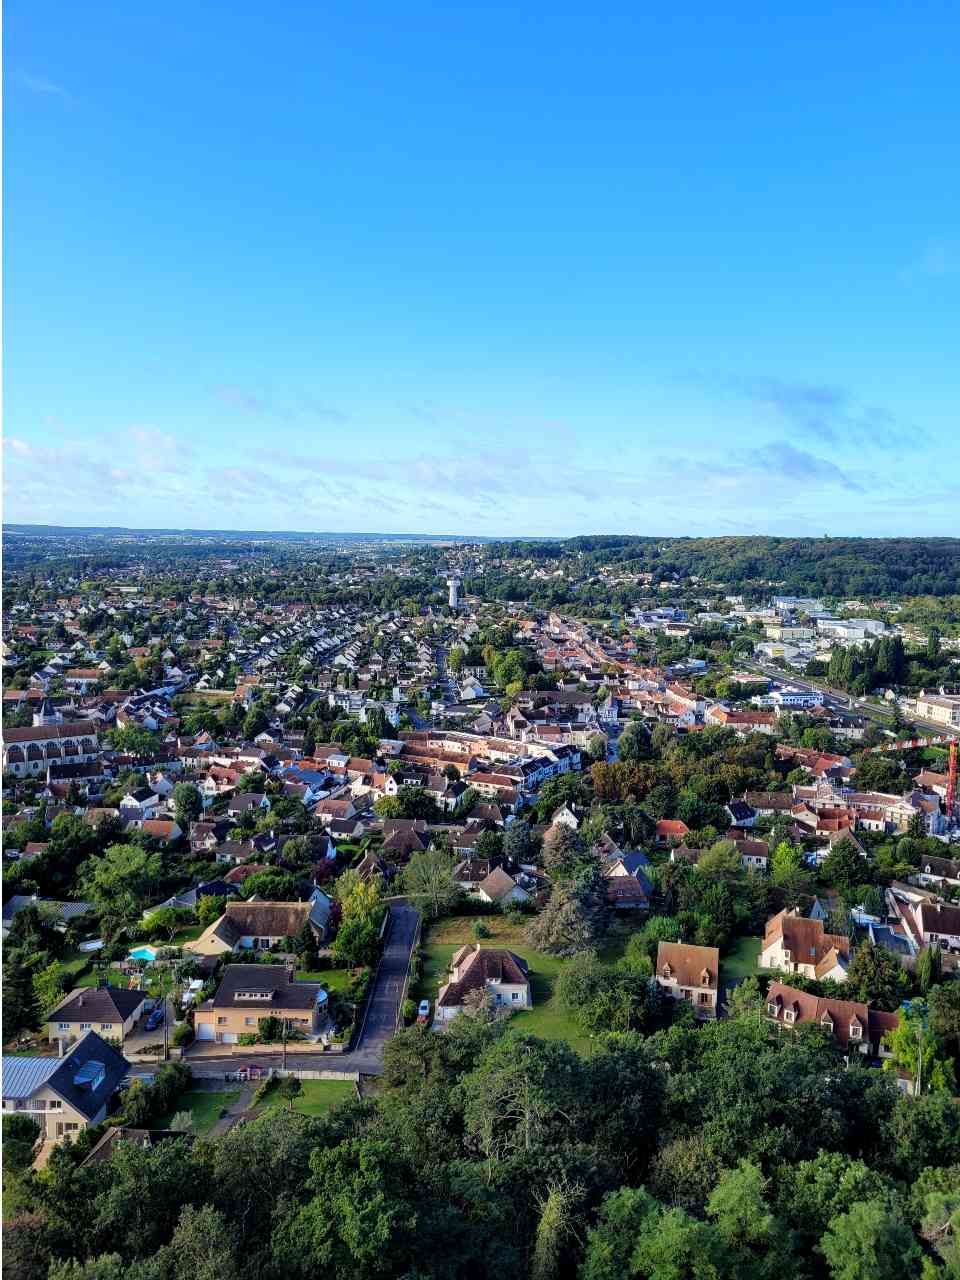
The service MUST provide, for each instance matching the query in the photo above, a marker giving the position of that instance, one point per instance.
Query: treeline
(822, 566)
(693, 1152)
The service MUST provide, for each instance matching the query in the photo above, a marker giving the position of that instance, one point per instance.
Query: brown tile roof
(41, 732)
(805, 939)
(478, 966)
(691, 966)
(836, 1015)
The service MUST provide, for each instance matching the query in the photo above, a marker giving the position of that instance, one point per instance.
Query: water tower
(453, 583)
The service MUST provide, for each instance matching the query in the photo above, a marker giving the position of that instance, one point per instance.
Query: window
(704, 997)
(85, 1026)
(788, 1015)
(515, 995)
(250, 1022)
(63, 1026)
(55, 1105)
(106, 1026)
(221, 1022)
(772, 1009)
(856, 1031)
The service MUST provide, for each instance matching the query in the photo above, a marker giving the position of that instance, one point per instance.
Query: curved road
(378, 1025)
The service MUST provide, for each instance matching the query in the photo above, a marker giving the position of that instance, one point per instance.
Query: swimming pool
(143, 953)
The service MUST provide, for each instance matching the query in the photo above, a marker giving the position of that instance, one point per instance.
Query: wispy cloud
(239, 398)
(42, 86)
(819, 411)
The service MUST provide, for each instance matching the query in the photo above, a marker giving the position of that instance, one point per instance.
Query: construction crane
(913, 744)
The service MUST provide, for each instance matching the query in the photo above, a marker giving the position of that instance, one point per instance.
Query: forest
(838, 567)
(706, 1152)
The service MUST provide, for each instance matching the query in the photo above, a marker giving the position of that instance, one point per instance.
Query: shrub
(409, 1012)
(20, 1133)
(269, 1029)
(247, 1038)
(183, 1035)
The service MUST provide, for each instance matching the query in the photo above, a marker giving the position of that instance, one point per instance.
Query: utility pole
(284, 1040)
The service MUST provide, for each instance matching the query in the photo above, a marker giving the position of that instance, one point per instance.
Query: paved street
(381, 1017)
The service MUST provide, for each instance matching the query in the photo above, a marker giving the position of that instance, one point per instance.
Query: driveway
(378, 1025)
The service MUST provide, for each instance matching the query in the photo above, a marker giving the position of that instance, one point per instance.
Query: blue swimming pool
(143, 953)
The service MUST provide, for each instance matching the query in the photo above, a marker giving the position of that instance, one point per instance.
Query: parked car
(423, 1011)
(156, 1019)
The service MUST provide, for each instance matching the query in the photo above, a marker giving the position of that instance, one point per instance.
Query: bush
(409, 1012)
(264, 1090)
(20, 1133)
(182, 1035)
(480, 930)
(247, 1038)
(269, 1029)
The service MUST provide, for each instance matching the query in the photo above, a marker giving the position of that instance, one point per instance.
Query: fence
(406, 976)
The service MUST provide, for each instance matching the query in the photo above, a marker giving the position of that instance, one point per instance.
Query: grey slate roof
(22, 1075)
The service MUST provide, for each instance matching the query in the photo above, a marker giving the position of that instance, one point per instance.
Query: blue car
(156, 1019)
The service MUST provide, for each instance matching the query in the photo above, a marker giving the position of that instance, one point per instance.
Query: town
(282, 831)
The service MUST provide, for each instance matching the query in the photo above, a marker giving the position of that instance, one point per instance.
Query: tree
(928, 969)
(20, 1134)
(721, 859)
(786, 862)
(917, 1053)
(48, 987)
(187, 804)
(516, 841)
(870, 1242)
(272, 886)
(428, 879)
(596, 748)
(555, 1229)
(944, 1005)
(290, 1090)
(876, 977)
(844, 867)
(575, 918)
(210, 908)
(118, 881)
(739, 1207)
(134, 740)
(634, 743)
(745, 999)
(254, 722)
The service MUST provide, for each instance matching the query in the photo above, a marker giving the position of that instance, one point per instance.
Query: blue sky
(494, 269)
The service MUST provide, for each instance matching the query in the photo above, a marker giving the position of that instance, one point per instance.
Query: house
(501, 888)
(64, 912)
(686, 972)
(932, 871)
(404, 836)
(110, 1011)
(793, 944)
(249, 992)
(247, 802)
(163, 829)
(187, 901)
(628, 888)
(669, 829)
(474, 971)
(754, 854)
(65, 1095)
(938, 925)
(146, 1138)
(139, 806)
(741, 814)
(262, 926)
(853, 1025)
(28, 751)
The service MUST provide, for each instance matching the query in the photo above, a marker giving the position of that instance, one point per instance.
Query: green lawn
(78, 970)
(318, 1097)
(335, 981)
(741, 960)
(204, 1105)
(546, 1018)
(189, 933)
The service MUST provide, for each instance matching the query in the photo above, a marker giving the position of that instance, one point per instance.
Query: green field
(318, 1097)
(546, 1018)
(204, 1105)
(335, 981)
(741, 960)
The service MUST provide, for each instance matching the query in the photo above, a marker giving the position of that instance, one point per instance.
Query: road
(378, 1026)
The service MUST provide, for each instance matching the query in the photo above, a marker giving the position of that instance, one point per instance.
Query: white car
(423, 1011)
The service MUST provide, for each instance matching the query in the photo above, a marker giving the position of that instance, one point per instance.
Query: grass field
(741, 960)
(546, 1018)
(318, 1097)
(204, 1105)
(335, 981)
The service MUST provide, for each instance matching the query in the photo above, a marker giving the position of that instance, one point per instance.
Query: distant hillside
(820, 566)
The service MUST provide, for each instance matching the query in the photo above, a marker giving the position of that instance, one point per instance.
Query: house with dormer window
(686, 972)
(854, 1026)
(794, 944)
